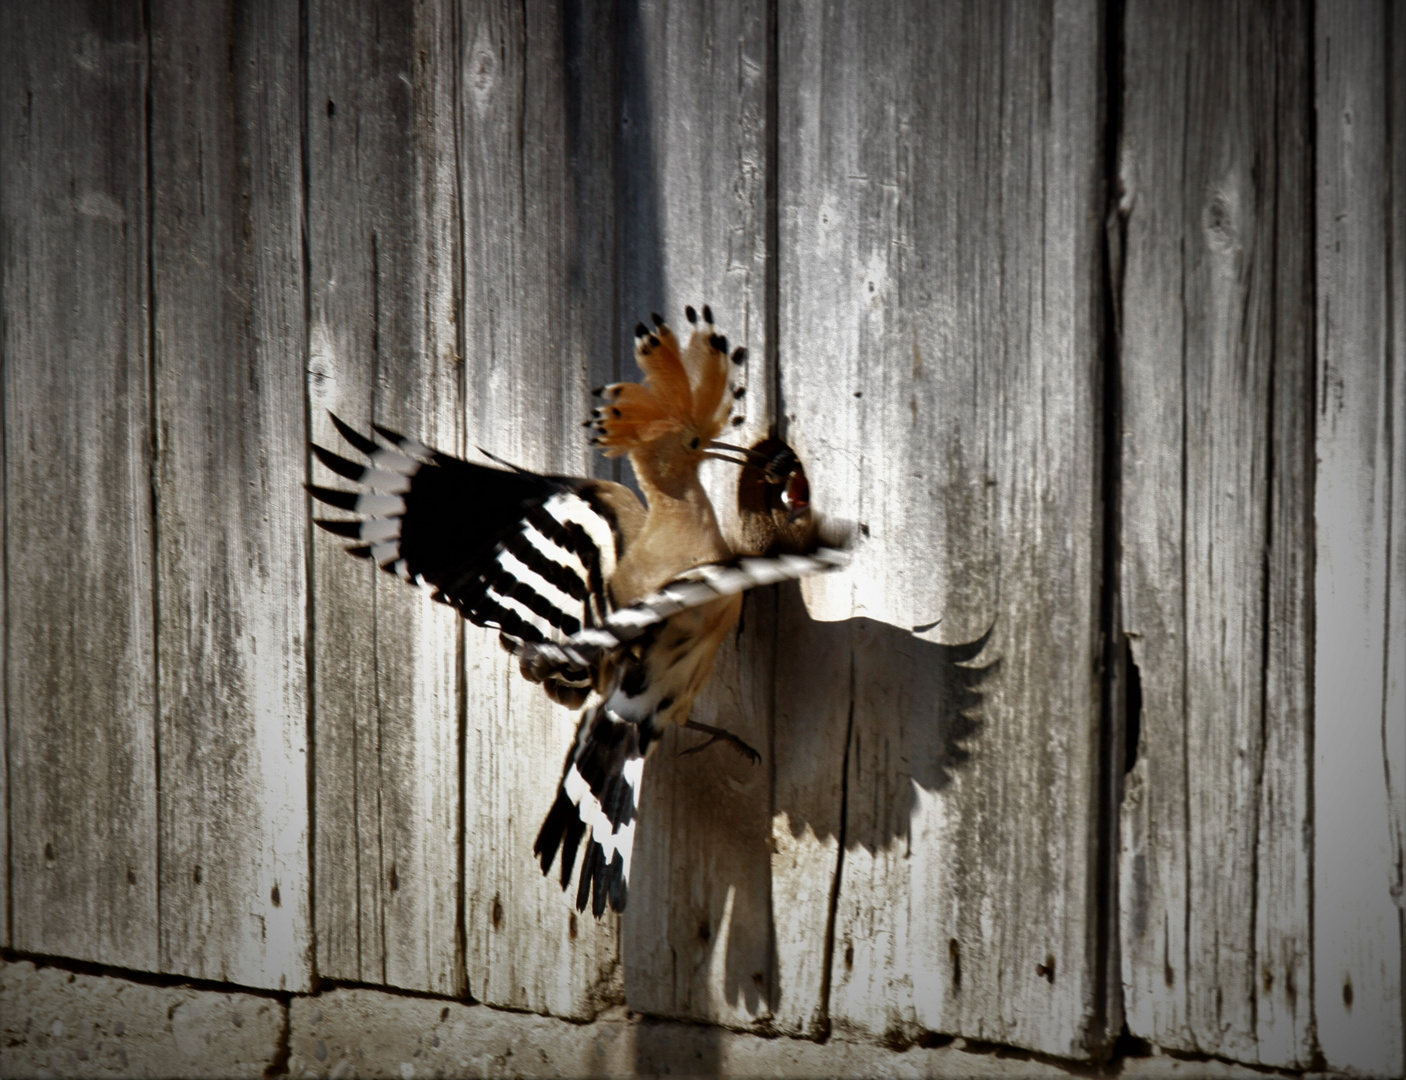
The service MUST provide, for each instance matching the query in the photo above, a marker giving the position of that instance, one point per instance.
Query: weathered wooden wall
(1212, 227)
(1088, 316)
(385, 295)
(1359, 674)
(940, 184)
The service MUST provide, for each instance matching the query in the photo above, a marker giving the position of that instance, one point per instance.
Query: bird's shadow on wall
(864, 714)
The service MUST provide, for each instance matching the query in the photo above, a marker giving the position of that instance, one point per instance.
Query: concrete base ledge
(65, 1024)
(55, 1022)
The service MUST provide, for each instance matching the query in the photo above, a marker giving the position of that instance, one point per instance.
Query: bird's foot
(726, 736)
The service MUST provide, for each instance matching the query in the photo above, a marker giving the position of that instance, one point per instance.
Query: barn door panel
(694, 163)
(939, 184)
(536, 152)
(386, 291)
(1359, 687)
(79, 660)
(231, 518)
(1211, 266)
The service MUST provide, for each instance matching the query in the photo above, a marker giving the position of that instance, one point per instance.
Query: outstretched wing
(599, 793)
(530, 556)
(693, 588)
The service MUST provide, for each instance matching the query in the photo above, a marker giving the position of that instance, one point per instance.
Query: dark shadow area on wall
(590, 96)
(639, 235)
(866, 713)
(642, 288)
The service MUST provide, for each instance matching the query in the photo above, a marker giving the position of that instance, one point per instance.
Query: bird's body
(612, 605)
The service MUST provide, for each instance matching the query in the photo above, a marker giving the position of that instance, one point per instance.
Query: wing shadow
(865, 714)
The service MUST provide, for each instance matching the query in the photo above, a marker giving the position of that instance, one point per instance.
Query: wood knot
(1218, 222)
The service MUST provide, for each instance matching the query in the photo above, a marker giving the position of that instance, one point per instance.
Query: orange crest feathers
(682, 391)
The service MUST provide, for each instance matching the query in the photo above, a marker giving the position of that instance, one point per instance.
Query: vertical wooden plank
(694, 160)
(1214, 906)
(1358, 757)
(80, 672)
(811, 729)
(1153, 816)
(1284, 859)
(385, 296)
(1394, 706)
(536, 155)
(939, 195)
(6, 923)
(231, 519)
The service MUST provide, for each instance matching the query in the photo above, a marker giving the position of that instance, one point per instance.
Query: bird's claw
(717, 734)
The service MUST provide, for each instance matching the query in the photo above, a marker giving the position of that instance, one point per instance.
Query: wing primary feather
(411, 447)
(619, 893)
(549, 837)
(354, 437)
(339, 465)
(342, 500)
(506, 464)
(571, 843)
(350, 529)
(588, 875)
(395, 438)
(598, 886)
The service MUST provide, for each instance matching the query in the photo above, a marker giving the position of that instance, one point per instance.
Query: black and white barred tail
(597, 802)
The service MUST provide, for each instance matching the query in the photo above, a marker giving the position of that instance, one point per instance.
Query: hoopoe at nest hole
(614, 607)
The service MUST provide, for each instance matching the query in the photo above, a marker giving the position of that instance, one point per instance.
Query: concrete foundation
(59, 1023)
(55, 1022)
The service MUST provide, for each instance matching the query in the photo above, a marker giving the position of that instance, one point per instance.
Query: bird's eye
(694, 444)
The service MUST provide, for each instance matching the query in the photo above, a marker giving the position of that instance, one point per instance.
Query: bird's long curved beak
(749, 457)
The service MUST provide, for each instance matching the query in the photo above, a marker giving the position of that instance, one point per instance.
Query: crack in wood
(827, 974)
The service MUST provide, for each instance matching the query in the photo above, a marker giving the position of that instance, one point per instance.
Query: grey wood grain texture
(8, 921)
(694, 159)
(536, 157)
(939, 192)
(79, 659)
(385, 291)
(1394, 691)
(232, 521)
(1359, 729)
(1284, 858)
(1215, 368)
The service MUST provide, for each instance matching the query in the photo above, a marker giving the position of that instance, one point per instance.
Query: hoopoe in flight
(610, 605)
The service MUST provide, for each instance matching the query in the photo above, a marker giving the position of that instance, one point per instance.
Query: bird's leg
(718, 733)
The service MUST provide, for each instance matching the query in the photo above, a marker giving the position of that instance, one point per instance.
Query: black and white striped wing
(693, 588)
(527, 555)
